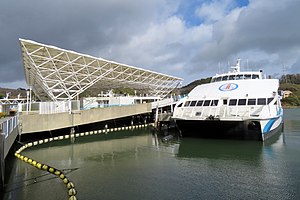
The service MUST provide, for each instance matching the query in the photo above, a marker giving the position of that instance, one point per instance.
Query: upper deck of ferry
(238, 76)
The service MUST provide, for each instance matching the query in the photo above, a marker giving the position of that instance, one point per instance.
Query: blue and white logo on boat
(228, 87)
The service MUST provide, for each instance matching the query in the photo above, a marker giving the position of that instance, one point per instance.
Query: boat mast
(237, 67)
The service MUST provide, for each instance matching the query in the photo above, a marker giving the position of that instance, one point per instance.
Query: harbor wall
(45, 122)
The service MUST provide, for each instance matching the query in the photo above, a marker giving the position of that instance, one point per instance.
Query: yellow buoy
(33, 163)
(62, 176)
(72, 198)
(70, 185)
(57, 172)
(51, 170)
(45, 167)
(66, 180)
(39, 165)
(72, 192)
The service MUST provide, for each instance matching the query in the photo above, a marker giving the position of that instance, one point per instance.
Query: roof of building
(59, 74)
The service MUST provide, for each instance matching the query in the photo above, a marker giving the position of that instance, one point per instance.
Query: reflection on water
(138, 165)
(220, 149)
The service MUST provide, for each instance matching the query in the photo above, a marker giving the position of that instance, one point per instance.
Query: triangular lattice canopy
(61, 74)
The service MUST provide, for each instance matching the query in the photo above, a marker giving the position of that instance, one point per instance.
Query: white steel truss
(61, 74)
(12, 101)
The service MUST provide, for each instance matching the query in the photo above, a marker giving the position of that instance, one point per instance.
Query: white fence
(54, 107)
(50, 107)
(9, 125)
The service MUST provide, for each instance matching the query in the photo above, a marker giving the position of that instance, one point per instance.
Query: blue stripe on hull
(273, 132)
(268, 126)
(270, 123)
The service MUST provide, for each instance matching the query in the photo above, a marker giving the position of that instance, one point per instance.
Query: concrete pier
(31, 123)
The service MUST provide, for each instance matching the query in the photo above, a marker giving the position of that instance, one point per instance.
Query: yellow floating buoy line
(70, 186)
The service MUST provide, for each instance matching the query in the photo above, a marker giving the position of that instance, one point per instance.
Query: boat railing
(243, 111)
(225, 111)
(255, 111)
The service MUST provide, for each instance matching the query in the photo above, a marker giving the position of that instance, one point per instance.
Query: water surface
(138, 165)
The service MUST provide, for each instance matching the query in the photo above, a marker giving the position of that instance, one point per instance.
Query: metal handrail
(7, 126)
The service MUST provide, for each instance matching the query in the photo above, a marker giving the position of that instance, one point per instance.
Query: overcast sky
(191, 39)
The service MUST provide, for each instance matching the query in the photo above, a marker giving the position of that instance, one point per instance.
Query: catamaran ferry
(243, 105)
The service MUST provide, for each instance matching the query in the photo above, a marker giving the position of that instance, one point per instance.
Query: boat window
(218, 79)
(199, 103)
(255, 76)
(193, 103)
(232, 102)
(187, 103)
(239, 76)
(269, 100)
(179, 105)
(213, 80)
(206, 103)
(247, 76)
(242, 102)
(214, 102)
(224, 78)
(251, 102)
(231, 77)
(261, 101)
(224, 101)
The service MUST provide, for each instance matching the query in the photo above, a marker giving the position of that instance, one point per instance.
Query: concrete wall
(36, 123)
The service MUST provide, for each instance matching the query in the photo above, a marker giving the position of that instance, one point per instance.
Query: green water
(137, 165)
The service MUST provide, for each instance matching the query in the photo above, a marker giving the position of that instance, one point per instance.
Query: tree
(292, 100)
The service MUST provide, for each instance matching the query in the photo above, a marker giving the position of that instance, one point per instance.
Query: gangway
(164, 102)
(163, 110)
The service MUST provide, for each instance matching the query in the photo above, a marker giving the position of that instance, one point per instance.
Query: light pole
(30, 89)
(27, 100)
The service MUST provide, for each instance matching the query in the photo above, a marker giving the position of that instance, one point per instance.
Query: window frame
(231, 100)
